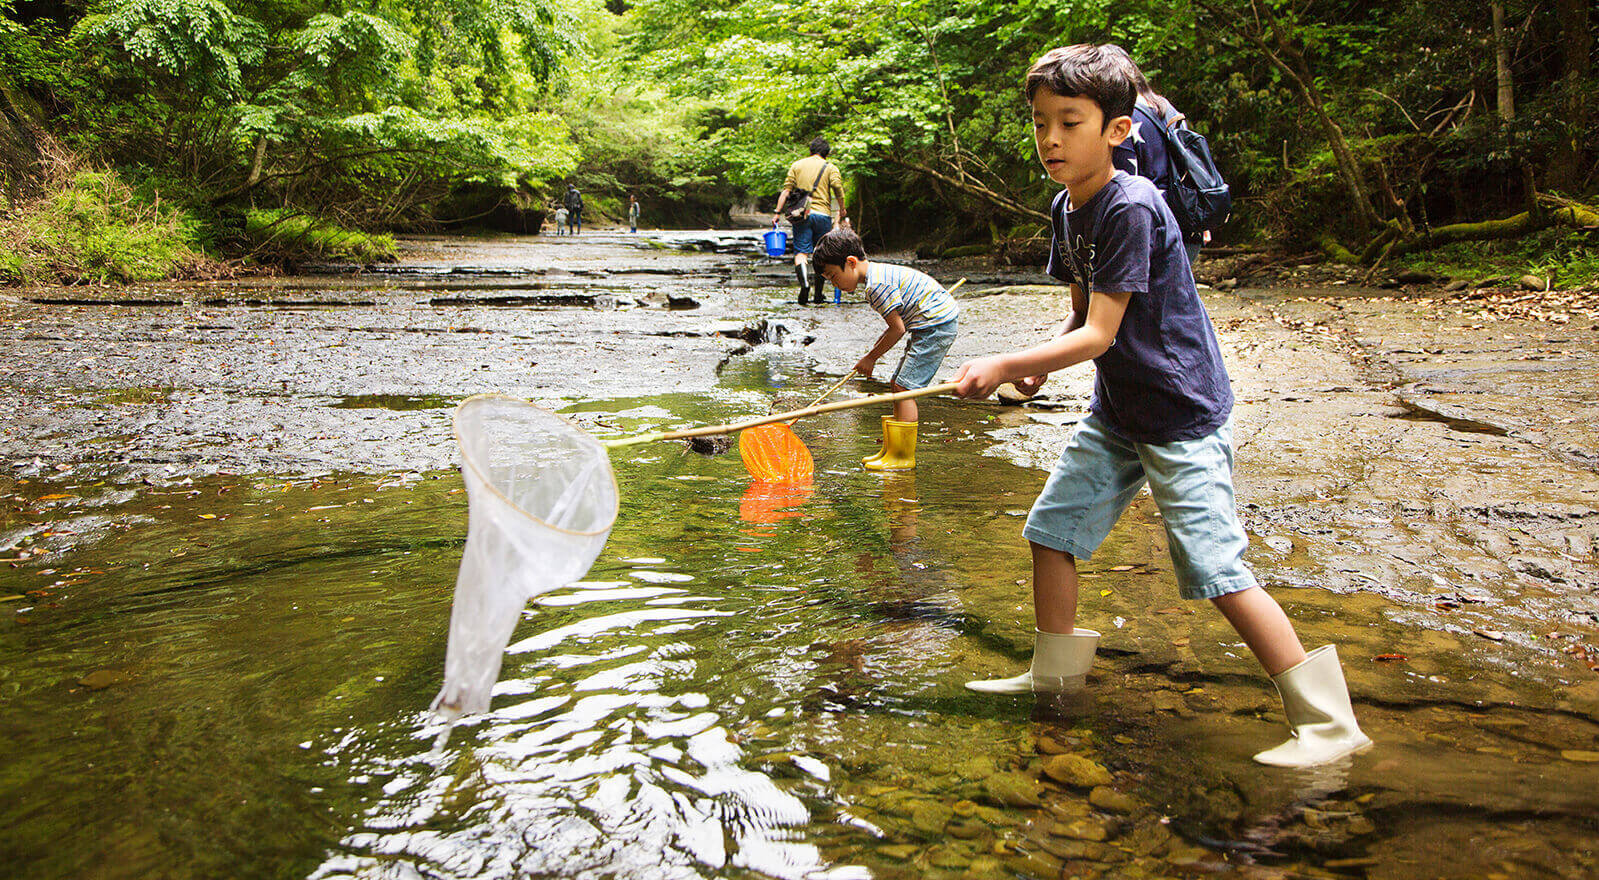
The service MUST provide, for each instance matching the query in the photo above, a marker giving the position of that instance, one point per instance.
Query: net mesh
(541, 499)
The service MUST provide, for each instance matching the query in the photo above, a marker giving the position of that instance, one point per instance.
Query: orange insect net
(775, 454)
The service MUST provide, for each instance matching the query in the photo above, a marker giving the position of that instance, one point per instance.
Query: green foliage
(1569, 258)
(202, 46)
(286, 235)
(94, 228)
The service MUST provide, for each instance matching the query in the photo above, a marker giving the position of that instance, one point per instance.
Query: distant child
(909, 301)
(1161, 411)
(632, 212)
(560, 220)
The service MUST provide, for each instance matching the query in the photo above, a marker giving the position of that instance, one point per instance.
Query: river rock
(1082, 829)
(966, 829)
(1076, 771)
(902, 852)
(1532, 282)
(100, 679)
(1011, 790)
(976, 768)
(1072, 848)
(931, 816)
(1049, 745)
(945, 857)
(1009, 393)
(1111, 800)
(1457, 284)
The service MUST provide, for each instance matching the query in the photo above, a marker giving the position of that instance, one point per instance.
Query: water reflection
(600, 758)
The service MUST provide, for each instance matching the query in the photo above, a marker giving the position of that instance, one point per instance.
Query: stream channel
(231, 525)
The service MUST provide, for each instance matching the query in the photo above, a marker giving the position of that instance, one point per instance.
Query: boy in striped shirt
(910, 302)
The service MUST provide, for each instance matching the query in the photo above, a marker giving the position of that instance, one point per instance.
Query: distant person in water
(560, 220)
(632, 212)
(574, 209)
(817, 181)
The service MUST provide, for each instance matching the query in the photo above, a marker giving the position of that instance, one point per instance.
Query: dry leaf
(1493, 634)
(1390, 658)
(1123, 567)
(1180, 642)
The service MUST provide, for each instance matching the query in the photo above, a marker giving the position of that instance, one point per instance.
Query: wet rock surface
(1417, 476)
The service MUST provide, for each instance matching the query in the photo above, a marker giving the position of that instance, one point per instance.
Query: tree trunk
(1507, 88)
(1282, 53)
(1569, 163)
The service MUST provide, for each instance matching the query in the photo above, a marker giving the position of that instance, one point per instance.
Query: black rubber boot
(817, 283)
(802, 272)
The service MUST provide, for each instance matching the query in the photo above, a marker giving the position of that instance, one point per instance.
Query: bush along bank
(90, 227)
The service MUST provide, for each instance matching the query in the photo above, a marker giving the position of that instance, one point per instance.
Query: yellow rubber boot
(881, 452)
(899, 447)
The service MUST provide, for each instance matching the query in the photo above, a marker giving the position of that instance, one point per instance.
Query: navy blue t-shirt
(1162, 378)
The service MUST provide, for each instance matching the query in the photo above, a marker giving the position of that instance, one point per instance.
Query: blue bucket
(776, 243)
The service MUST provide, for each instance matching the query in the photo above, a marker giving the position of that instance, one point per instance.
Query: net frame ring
(567, 429)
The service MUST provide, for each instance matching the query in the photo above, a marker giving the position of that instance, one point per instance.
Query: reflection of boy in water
(1161, 411)
(910, 302)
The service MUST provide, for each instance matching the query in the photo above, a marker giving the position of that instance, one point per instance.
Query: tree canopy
(1364, 125)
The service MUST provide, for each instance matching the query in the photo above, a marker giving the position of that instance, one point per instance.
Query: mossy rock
(1076, 771)
(966, 250)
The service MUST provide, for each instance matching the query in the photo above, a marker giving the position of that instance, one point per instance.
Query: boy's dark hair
(819, 147)
(1098, 73)
(832, 248)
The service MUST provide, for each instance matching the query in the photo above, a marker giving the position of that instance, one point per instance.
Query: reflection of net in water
(541, 501)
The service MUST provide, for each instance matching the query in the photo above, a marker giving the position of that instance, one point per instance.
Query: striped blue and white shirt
(919, 300)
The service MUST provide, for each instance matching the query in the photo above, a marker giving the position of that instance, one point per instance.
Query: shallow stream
(227, 676)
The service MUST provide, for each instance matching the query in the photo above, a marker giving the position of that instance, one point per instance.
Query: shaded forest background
(145, 138)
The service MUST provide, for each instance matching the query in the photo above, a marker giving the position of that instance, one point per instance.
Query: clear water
(230, 677)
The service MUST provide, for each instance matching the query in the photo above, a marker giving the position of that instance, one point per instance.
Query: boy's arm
(1074, 319)
(979, 378)
(896, 329)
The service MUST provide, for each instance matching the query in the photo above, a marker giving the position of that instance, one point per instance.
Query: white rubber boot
(1322, 721)
(1060, 663)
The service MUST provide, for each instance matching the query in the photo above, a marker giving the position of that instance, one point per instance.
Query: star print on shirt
(1137, 134)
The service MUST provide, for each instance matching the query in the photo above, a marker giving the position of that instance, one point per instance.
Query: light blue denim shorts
(923, 354)
(1100, 473)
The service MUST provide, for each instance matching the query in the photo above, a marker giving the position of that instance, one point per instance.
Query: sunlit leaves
(202, 43)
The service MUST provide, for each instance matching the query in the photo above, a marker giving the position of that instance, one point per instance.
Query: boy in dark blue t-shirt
(1161, 411)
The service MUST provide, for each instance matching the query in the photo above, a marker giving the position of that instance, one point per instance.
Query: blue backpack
(1197, 195)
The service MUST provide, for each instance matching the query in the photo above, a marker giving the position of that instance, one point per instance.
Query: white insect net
(541, 499)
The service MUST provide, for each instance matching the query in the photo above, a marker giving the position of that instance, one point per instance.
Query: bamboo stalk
(711, 430)
(828, 393)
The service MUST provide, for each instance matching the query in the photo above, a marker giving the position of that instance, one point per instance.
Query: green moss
(1569, 258)
(93, 227)
(286, 234)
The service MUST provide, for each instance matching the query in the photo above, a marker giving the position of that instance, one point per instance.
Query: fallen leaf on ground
(1122, 567)
(1390, 658)
(1180, 642)
(1493, 634)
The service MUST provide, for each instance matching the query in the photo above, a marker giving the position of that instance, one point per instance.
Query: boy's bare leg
(1054, 589)
(904, 410)
(1265, 628)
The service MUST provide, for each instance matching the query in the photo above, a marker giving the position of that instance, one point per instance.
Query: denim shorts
(1098, 476)
(923, 355)
(806, 233)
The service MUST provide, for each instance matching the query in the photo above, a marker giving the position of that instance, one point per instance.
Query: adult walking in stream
(574, 209)
(806, 202)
